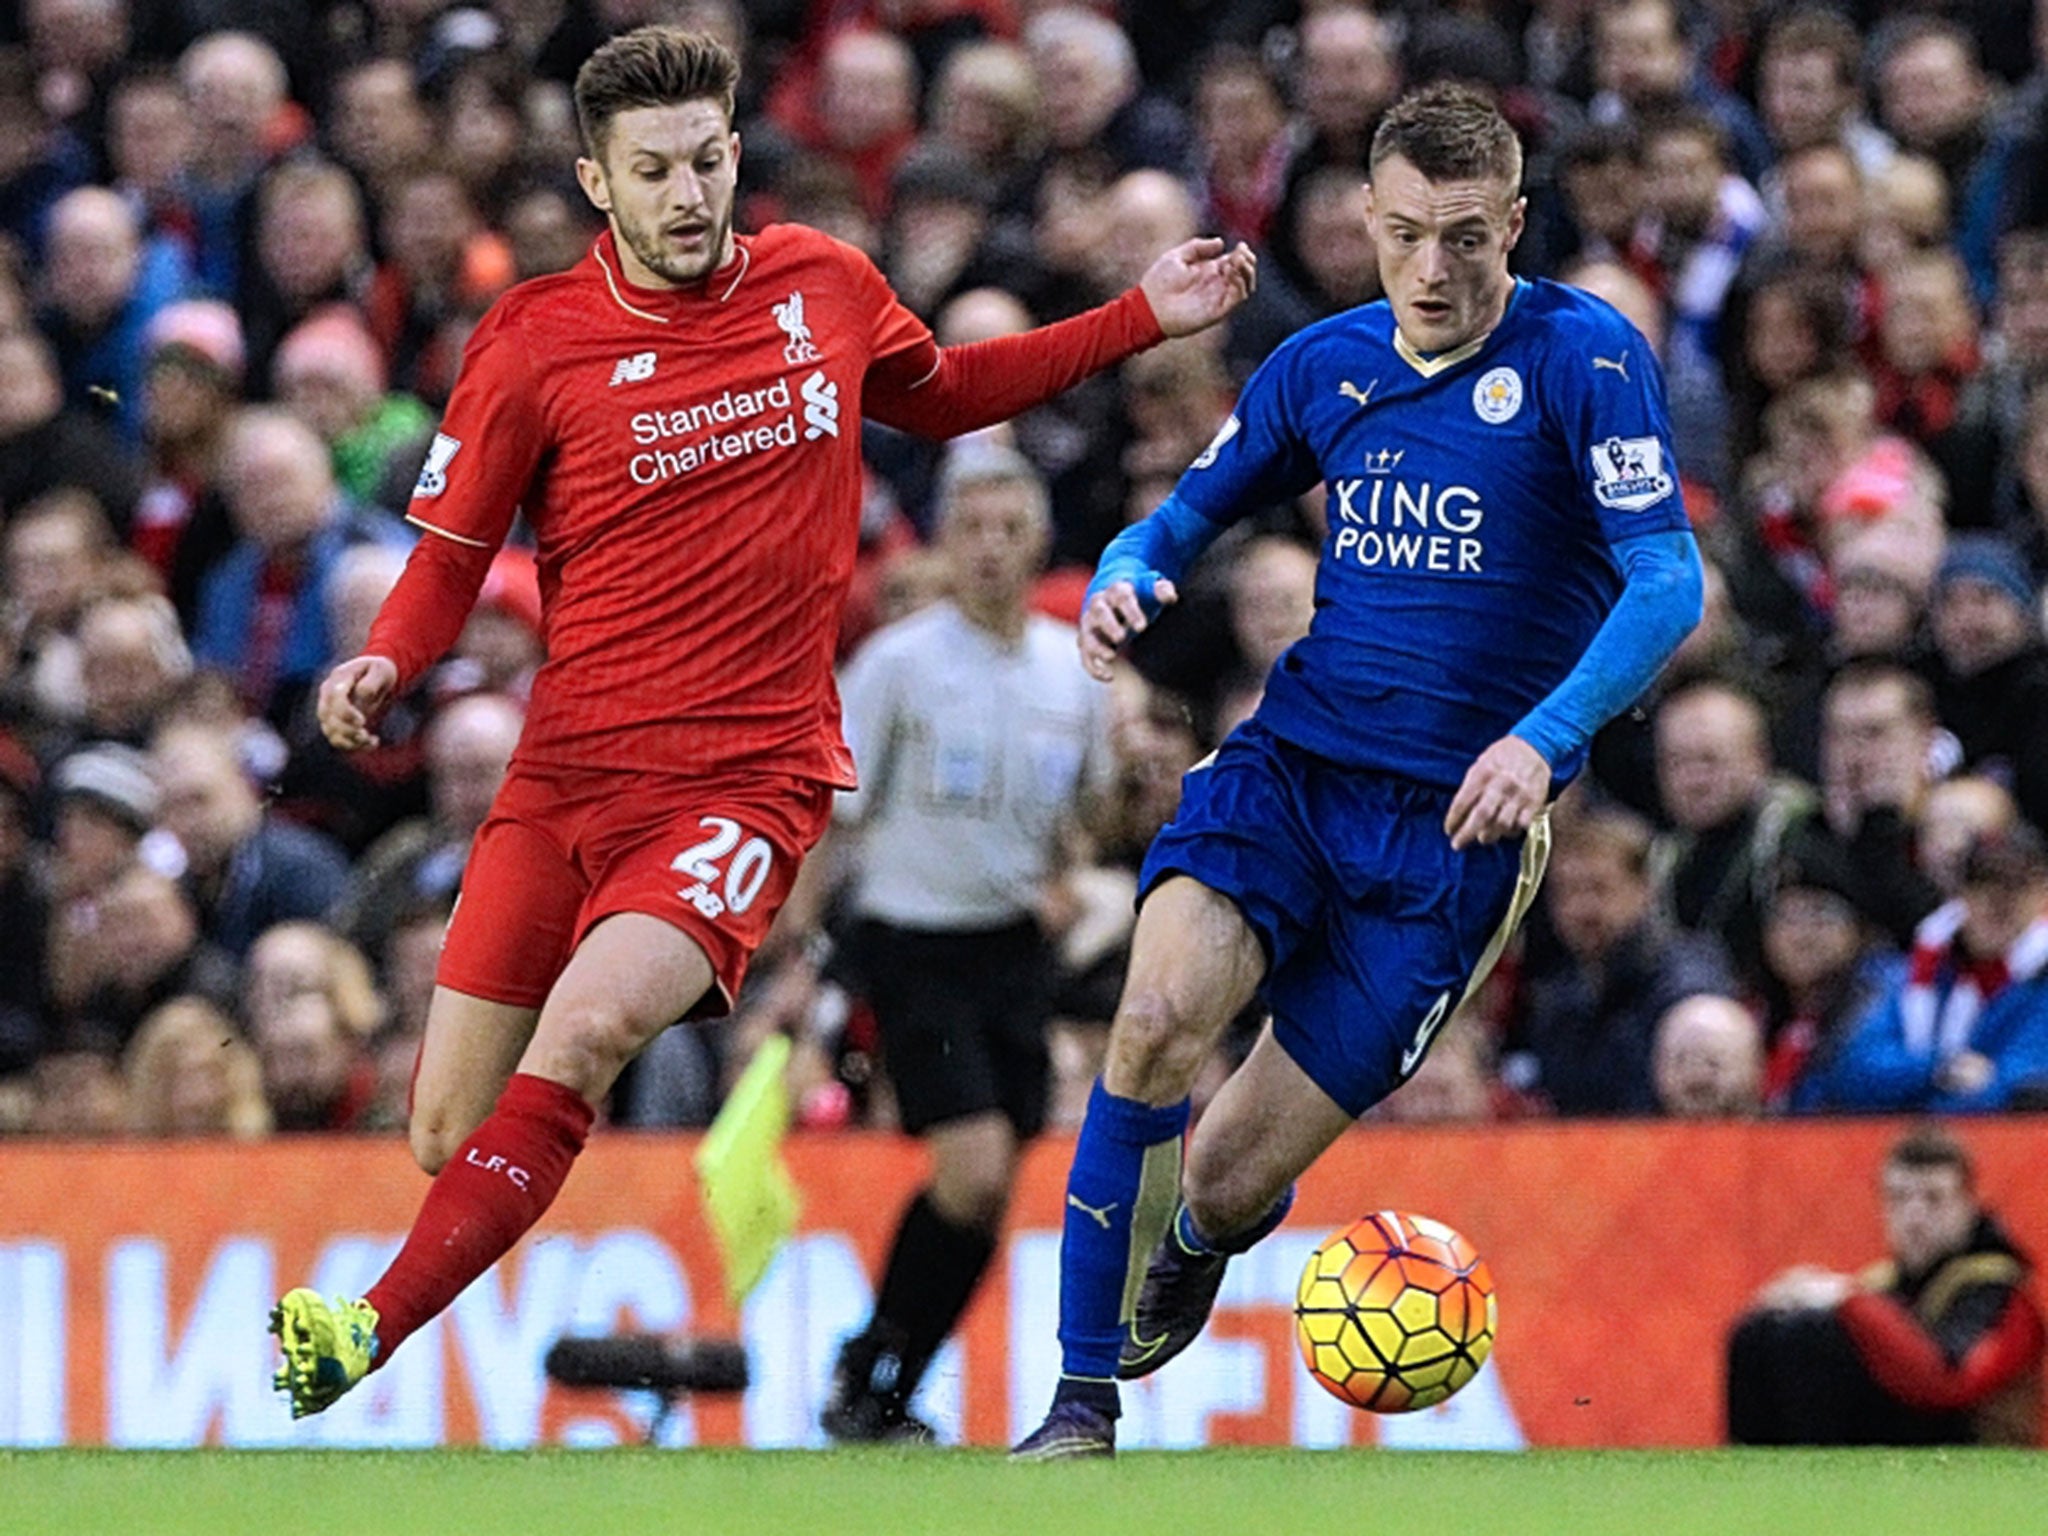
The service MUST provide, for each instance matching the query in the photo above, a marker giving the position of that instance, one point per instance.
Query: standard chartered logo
(1384, 521)
(730, 426)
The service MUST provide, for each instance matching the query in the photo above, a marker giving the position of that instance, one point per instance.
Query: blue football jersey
(1472, 499)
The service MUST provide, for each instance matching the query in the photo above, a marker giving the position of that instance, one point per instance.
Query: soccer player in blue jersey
(1508, 565)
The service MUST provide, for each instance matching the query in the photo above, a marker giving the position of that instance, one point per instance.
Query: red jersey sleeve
(490, 442)
(1910, 1365)
(426, 610)
(898, 341)
(482, 461)
(918, 386)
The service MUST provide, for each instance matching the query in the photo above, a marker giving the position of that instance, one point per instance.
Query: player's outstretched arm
(1197, 283)
(1659, 605)
(941, 392)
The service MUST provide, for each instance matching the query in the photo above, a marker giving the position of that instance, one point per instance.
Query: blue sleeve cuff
(1660, 604)
(1159, 547)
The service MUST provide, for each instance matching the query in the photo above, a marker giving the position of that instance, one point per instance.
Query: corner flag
(748, 1194)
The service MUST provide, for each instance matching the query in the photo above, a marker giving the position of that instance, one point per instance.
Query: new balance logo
(704, 899)
(631, 370)
(789, 314)
(1351, 391)
(821, 407)
(1618, 364)
(1101, 1216)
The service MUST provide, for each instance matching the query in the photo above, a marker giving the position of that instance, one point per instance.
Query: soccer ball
(1394, 1313)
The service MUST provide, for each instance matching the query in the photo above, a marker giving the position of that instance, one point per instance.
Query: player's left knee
(588, 1045)
(1223, 1193)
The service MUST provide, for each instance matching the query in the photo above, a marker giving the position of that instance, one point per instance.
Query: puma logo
(1351, 391)
(1101, 1216)
(1618, 364)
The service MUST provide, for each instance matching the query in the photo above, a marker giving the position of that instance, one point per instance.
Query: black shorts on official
(962, 1017)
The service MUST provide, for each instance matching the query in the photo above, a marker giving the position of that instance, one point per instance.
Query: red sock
(493, 1189)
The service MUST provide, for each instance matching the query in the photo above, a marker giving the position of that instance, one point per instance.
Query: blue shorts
(1374, 929)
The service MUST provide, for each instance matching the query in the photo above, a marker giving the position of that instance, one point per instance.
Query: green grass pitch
(909, 1493)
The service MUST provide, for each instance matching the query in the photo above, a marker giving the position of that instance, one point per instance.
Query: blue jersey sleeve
(1257, 457)
(1609, 399)
(1608, 395)
(1659, 607)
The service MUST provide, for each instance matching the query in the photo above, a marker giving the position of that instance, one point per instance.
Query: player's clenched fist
(1112, 616)
(355, 694)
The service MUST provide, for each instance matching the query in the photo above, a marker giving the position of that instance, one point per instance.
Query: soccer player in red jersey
(678, 417)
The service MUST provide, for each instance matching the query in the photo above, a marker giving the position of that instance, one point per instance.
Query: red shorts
(564, 848)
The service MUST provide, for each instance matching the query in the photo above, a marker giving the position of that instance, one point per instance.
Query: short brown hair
(1450, 132)
(1817, 29)
(1930, 1146)
(1684, 122)
(1602, 829)
(652, 67)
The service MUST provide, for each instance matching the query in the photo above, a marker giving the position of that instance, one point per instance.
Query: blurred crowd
(242, 244)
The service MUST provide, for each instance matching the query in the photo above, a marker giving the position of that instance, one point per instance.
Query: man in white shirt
(977, 736)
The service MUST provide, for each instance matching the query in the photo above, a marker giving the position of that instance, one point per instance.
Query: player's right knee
(1156, 1049)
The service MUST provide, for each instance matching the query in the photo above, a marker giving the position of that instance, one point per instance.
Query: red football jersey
(690, 462)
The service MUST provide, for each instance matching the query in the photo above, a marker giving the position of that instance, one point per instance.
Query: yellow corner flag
(748, 1194)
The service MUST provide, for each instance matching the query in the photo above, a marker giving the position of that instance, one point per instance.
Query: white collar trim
(611, 281)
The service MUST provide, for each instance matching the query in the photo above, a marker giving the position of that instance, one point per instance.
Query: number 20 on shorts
(745, 872)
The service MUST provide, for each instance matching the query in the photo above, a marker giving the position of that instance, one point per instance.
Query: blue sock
(1193, 1240)
(1120, 1195)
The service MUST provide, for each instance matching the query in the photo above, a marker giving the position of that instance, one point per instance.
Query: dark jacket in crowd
(1588, 1033)
(2000, 715)
(281, 874)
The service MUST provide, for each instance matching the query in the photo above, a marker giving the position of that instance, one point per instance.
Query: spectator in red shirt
(189, 394)
(1245, 144)
(1938, 1345)
(1927, 354)
(444, 268)
(862, 110)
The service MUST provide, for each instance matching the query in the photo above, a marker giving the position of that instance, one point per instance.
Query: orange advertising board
(135, 1278)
